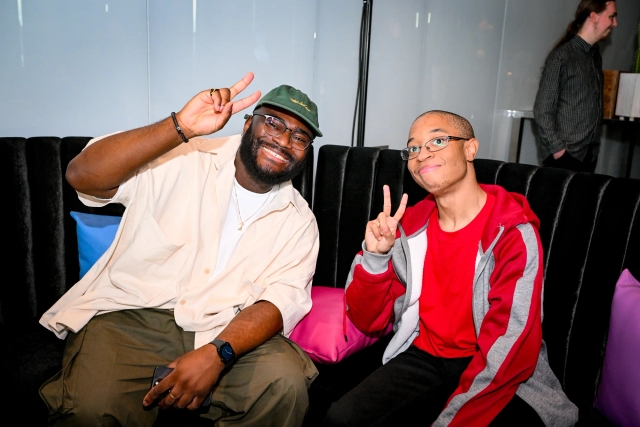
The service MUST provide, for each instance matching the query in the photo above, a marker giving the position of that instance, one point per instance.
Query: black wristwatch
(226, 353)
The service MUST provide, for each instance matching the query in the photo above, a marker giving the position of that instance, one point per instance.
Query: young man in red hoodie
(460, 275)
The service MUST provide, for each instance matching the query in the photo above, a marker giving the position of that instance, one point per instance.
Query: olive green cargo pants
(108, 365)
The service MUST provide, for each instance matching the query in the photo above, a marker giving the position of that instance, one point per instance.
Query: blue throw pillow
(95, 234)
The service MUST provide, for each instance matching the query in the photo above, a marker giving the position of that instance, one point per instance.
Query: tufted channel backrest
(40, 260)
(590, 231)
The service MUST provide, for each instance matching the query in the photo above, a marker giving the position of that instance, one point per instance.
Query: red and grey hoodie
(511, 357)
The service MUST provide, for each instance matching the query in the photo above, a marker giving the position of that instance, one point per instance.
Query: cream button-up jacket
(167, 245)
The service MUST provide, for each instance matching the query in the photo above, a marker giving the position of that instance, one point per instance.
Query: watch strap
(219, 344)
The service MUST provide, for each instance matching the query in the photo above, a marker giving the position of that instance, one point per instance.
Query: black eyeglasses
(275, 126)
(435, 144)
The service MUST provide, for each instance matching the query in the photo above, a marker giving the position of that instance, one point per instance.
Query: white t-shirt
(250, 204)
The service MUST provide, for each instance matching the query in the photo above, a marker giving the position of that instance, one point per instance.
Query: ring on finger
(172, 396)
(211, 91)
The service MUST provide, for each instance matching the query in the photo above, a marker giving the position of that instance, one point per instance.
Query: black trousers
(567, 161)
(412, 389)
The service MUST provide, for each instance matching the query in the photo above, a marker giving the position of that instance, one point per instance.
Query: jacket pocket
(150, 262)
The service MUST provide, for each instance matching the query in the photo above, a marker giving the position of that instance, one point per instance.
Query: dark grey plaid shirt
(568, 107)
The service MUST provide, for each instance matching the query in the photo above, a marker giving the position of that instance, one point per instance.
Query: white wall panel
(91, 67)
(462, 56)
(196, 45)
(531, 30)
(396, 71)
(71, 67)
(336, 68)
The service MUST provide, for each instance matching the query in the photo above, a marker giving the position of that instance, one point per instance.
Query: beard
(249, 153)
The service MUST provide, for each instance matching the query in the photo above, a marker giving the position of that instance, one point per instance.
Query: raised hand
(381, 232)
(208, 111)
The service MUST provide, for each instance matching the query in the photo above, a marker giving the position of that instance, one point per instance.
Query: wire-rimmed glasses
(435, 144)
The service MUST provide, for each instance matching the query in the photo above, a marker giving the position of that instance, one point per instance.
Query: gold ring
(211, 91)
(172, 396)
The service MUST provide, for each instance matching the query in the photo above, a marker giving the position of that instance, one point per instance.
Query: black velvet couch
(590, 230)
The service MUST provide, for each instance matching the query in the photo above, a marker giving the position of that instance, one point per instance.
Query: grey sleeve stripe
(372, 263)
(356, 260)
(375, 263)
(517, 320)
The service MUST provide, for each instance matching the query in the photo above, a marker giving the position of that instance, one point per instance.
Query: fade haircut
(461, 124)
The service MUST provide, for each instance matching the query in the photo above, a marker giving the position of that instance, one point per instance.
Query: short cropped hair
(461, 124)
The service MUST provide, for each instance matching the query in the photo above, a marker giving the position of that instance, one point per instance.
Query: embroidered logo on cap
(300, 103)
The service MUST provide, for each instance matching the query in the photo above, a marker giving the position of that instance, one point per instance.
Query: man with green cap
(209, 271)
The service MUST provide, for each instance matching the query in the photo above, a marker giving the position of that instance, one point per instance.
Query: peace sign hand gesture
(211, 109)
(381, 232)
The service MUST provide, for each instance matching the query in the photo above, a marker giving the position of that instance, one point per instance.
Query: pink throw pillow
(618, 396)
(321, 333)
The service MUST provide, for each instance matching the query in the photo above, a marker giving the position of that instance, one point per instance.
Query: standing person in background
(568, 106)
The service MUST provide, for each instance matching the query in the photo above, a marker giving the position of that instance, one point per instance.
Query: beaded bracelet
(175, 122)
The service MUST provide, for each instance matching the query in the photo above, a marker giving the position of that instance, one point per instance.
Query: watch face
(226, 352)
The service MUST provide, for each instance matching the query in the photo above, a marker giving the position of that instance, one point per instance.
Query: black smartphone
(160, 373)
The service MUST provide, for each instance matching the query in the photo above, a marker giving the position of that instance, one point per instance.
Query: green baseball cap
(295, 101)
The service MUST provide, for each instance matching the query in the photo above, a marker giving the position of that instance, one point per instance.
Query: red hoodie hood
(509, 210)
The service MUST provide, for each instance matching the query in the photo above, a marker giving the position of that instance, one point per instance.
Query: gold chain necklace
(257, 210)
